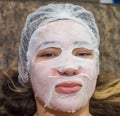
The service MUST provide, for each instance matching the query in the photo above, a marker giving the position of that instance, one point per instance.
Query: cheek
(39, 75)
(39, 69)
(90, 83)
(91, 69)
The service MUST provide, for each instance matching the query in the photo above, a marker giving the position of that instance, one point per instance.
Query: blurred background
(110, 1)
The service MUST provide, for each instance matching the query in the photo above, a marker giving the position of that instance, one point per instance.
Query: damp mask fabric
(61, 39)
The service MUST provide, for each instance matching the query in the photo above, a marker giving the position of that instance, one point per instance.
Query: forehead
(66, 25)
(65, 30)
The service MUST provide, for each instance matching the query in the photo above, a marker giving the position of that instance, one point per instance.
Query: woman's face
(63, 65)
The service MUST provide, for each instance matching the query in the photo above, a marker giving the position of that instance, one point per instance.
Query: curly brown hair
(15, 99)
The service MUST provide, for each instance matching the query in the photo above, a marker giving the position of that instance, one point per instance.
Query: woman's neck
(42, 111)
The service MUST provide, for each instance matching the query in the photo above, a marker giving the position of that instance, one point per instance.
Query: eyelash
(47, 54)
(83, 54)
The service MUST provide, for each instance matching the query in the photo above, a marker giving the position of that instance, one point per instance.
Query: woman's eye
(47, 54)
(83, 52)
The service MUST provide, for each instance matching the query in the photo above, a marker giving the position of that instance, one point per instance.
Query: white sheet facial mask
(63, 65)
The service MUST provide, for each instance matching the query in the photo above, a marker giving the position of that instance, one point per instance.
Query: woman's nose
(70, 72)
(68, 67)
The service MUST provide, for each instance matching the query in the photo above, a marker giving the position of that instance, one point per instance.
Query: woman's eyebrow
(79, 43)
(49, 43)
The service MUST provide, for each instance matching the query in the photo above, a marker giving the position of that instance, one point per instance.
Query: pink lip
(68, 87)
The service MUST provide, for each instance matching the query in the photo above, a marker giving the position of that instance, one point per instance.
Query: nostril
(66, 71)
(69, 72)
(62, 73)
(55, 72)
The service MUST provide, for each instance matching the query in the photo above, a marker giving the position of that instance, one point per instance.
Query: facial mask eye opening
(47, 54)
(83, 53)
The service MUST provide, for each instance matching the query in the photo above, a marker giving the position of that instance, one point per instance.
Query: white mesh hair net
(46, 14)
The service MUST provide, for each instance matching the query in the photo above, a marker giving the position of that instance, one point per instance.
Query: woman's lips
(68, 87)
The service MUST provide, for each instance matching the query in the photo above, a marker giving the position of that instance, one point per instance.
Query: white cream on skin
(64, 36)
